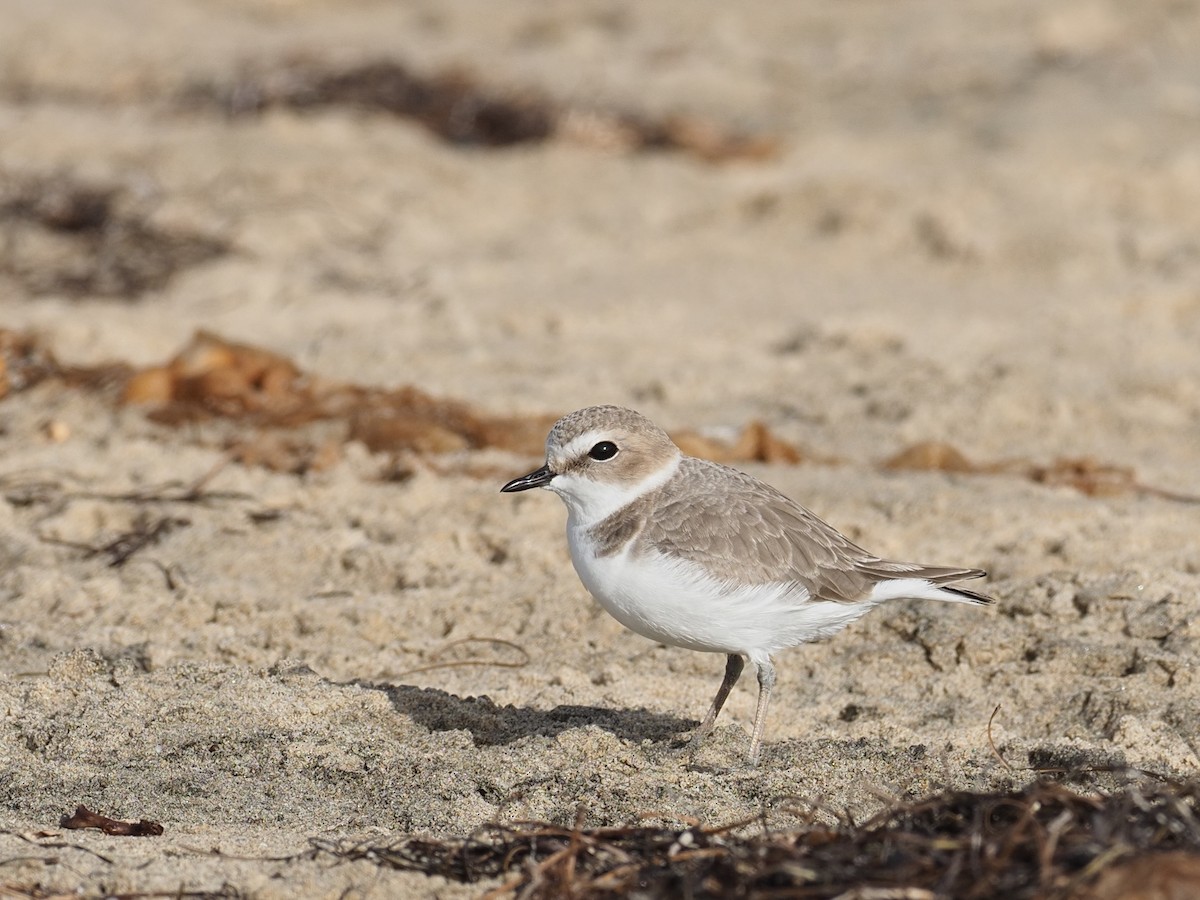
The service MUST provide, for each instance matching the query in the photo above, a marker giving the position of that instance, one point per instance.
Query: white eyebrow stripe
(579, 446)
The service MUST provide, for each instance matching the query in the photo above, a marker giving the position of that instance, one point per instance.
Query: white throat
(590, 500)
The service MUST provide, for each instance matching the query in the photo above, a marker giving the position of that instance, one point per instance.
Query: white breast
(675, 602)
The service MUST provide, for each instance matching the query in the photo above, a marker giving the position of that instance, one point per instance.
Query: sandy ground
(981, 227)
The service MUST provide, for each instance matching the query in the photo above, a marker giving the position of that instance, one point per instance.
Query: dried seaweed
(1084, 474)
(1043, 842)
(26, 362)
(755, 443)
(85, 818)
(63, 235)
(462, 110)
(215, 379)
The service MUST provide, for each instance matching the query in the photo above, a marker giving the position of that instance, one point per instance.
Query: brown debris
(26, 362)
(631, 132)
(409, 419)
(214, 378)
(1043, 842)
(756, 443)
(278, 453)
(457, 107)
(63, 235)
(85, 818)
(928, 456)
(1084, 474)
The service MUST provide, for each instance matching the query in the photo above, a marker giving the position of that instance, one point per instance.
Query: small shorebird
(698, 555)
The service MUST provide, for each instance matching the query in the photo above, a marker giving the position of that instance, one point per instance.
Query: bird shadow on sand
(491, 725)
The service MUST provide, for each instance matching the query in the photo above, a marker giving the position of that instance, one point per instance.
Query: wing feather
(774, 540)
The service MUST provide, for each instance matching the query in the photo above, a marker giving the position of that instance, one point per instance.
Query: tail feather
(887, 568)
(971, 596)
(938, 578)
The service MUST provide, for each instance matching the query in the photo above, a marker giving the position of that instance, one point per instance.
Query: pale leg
(733, 671)
(766, 681)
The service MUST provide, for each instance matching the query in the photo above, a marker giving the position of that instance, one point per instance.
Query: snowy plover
(698, 555)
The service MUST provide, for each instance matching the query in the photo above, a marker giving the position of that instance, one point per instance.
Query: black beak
(539, 478)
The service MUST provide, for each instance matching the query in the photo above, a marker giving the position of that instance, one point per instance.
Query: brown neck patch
(612, 534)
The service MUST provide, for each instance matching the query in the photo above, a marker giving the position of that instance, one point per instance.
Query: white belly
(674, 602)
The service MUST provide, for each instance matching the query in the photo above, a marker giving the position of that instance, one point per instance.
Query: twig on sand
(991, 743)
(85, 818)
(123, 547)
(453, 664)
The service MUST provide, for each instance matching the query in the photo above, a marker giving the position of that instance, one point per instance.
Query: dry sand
(980, 227)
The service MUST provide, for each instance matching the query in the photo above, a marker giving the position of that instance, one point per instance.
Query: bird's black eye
(603, 450)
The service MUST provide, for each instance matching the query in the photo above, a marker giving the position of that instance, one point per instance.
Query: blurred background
(868, 224)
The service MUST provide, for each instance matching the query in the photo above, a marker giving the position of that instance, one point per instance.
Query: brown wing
(776, 540)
